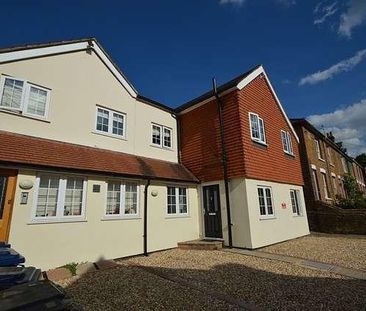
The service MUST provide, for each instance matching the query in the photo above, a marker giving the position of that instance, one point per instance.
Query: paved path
(352, 273)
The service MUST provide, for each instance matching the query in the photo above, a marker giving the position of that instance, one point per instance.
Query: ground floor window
(295, 202)
(325, 185)
(265, 201)
(122, 198)
(315, 184)
(177, 203)
(59, 196)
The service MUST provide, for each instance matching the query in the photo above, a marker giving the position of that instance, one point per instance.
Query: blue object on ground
(4, 244)
(9, 257)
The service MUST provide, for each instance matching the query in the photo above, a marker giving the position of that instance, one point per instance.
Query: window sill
(109, 135)
(320, 159)
(177, 216)
(55, 221)
(18, 114)
(266, 217)
(262, 143)
(289, 154)
(295, 215)
(162, 148)
(104, 218)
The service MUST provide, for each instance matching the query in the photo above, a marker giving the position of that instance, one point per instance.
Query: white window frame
(314, 177)
(286, 138)
(162, 136)
(122, 214)
(344, 165)
(334, 182)
(110, 123)
(22, 110)
(323, 174)
(177, 212)
(329, 151)
(267, 215)
(298, 206)
(261, 139)
(60, 200)
(318, 150)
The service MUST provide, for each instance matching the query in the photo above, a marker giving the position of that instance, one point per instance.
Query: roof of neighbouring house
(40, 153)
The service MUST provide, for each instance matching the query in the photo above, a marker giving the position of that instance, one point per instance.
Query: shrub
(355, 198)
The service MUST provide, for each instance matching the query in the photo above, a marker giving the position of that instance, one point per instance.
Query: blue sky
(313, 51)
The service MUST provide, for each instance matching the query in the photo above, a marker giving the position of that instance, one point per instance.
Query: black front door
(211, 204)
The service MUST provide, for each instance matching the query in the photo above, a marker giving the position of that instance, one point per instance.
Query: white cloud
(233, 2)
(324, 12)
(342, 66)
(348, 125)
(354, 16)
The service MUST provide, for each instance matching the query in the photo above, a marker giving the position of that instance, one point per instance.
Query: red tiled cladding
(27, 150)
(200, 140)
(267, 163)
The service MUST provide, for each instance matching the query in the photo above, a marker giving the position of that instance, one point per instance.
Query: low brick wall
(331, 219)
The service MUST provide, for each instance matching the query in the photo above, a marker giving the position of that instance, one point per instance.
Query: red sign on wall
(283, 205)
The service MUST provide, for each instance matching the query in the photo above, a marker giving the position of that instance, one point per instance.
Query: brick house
(262, 196)
(324, 164)
(84, 157)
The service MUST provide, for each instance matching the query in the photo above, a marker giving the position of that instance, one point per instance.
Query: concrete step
(208, 245)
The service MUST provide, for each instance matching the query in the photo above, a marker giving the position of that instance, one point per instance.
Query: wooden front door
(7, 189)
(212, 210)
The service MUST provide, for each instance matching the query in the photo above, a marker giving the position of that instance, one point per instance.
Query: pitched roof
(222, 88)
(27, 51)
(28, 151)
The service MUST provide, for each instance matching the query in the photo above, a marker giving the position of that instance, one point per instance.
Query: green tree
(355, 198)
(361, 159)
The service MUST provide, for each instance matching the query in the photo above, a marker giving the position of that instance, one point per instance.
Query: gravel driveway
(346, 251)
(214, 280)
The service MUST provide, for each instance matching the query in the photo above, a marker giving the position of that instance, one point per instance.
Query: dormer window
(23, 97)
(257, 131)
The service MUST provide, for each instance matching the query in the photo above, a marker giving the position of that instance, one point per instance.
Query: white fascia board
(65, 48)
(251, 77)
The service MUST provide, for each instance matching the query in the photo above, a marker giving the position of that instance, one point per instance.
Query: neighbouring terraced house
(324, 165)
(90, 169)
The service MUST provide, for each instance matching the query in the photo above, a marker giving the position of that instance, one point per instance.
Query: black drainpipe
(224, 161)
(145, 216)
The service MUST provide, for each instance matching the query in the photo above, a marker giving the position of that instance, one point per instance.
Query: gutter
(224, 162)
(145, 216)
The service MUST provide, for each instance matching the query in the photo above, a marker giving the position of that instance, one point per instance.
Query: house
(242, 147)
(90, 169)
(324, 164)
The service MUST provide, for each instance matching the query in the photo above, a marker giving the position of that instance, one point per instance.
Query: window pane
(113, 198)
(12, 93)
(293, 201)
(262, 204)
(254, 126)
(171, 201)
(102, 120)
(118, 121)
(269, 201)
(183, 200)
(47, 196)
(167, 138)
(131, 198)
(289, 143)
(284, 141)
(156, 135)
(261, 130)
(73, 197)
(37, 101)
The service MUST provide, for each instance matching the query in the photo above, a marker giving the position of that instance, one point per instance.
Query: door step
(209, 245)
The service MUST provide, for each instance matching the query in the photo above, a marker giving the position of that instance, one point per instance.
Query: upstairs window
(161, 136)
(318, 150)
(344, 165)
(23, 97)
(110, 122)
(287, 142)
(257, 131)
(265, 202)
